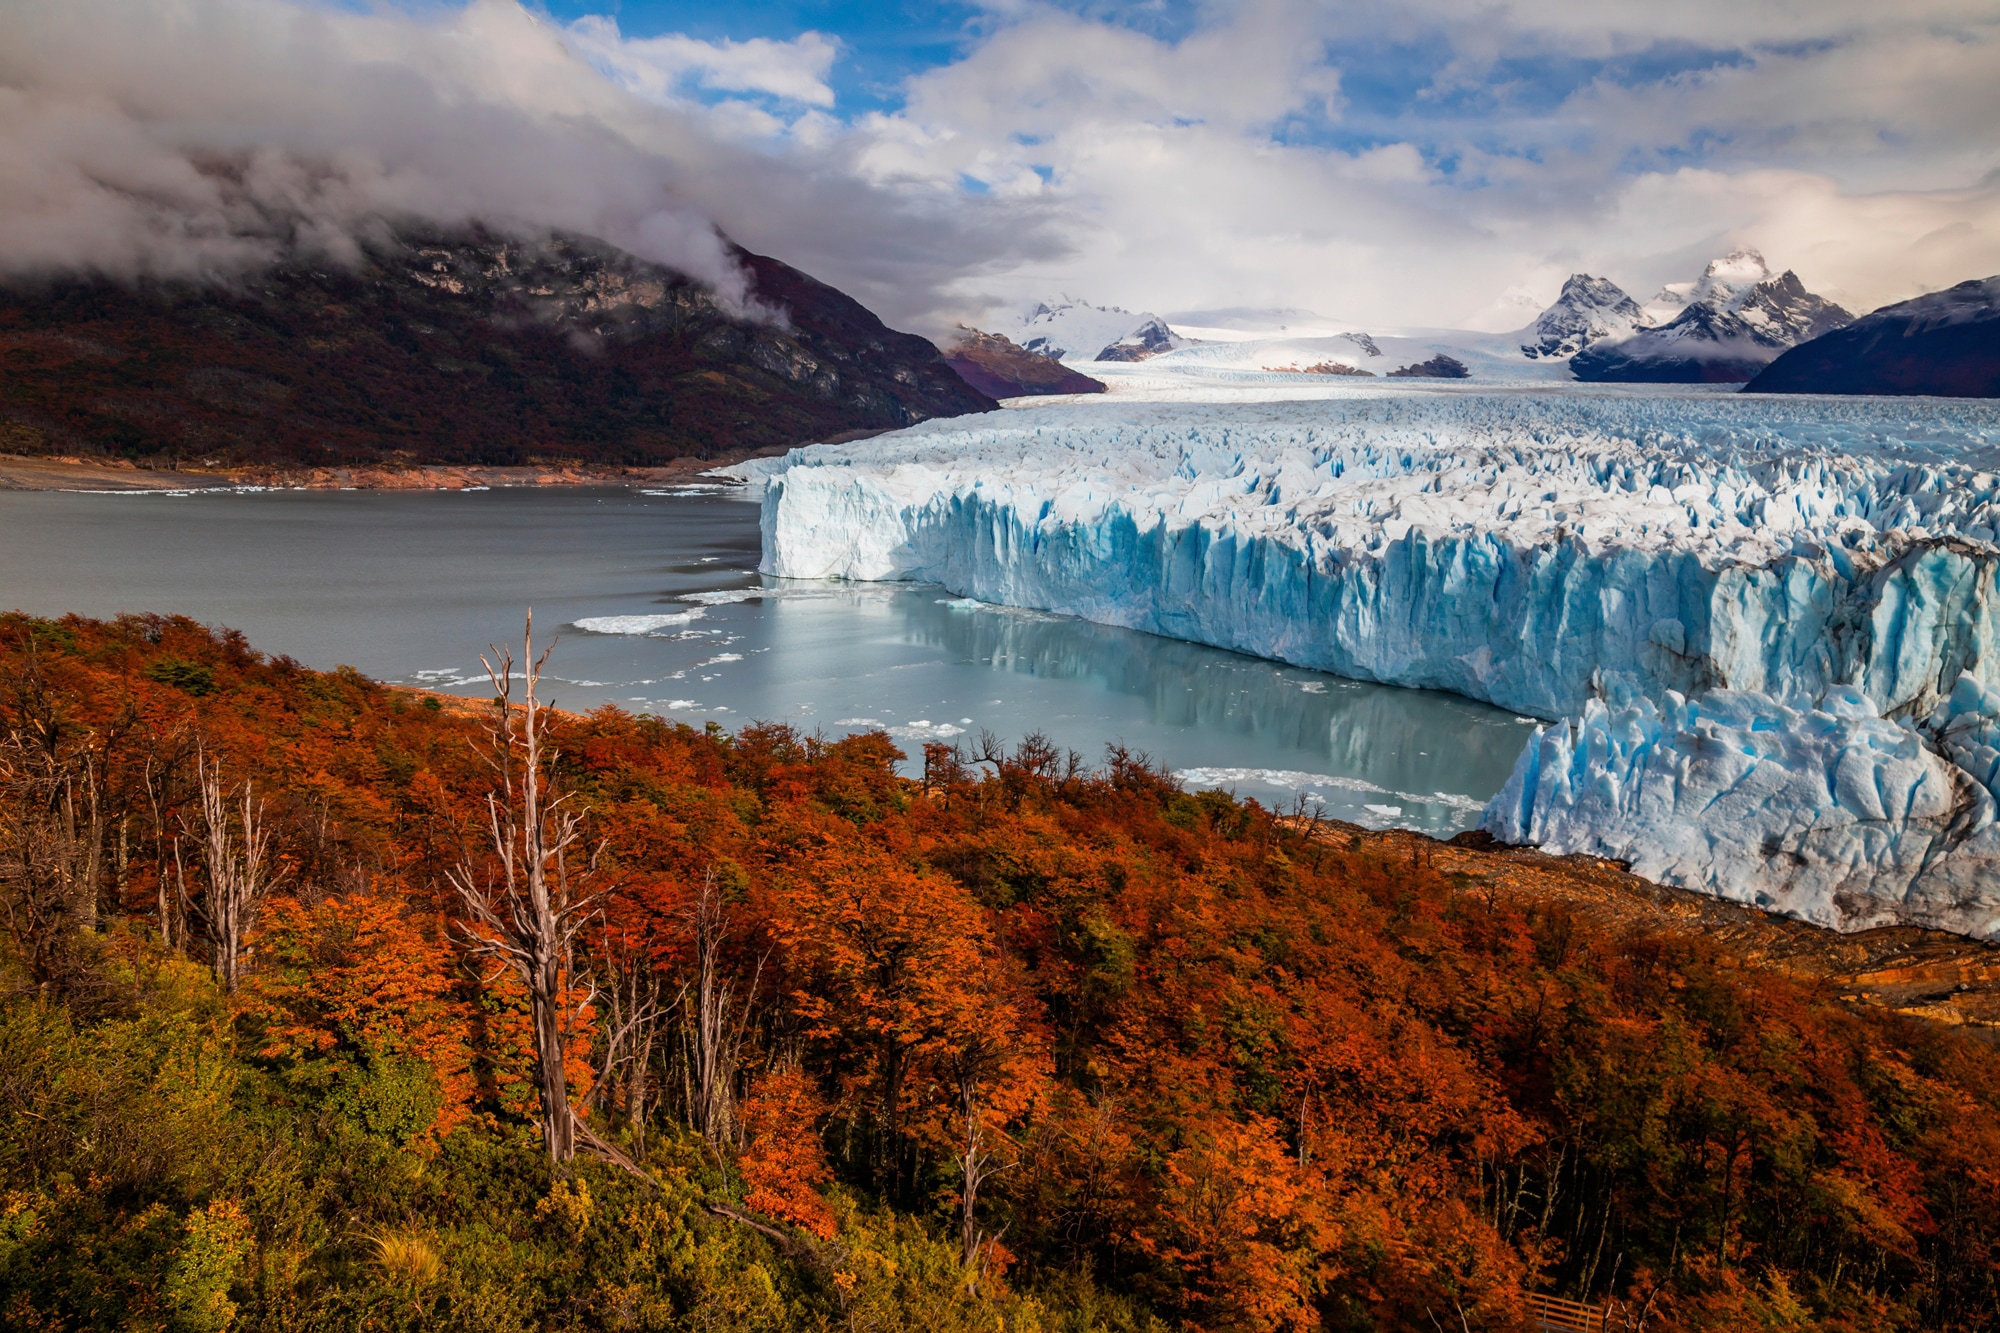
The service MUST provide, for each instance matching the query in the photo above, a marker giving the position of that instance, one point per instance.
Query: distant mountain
(998, 368)
(457, 348)
(1732, 322)
(1073, 330)
(1590, 310)
(1946, 343)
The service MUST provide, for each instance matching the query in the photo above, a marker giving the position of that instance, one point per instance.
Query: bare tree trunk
(237, 869)
(714, 1054)
(531, 916)
(978, 1160)
(51, 832)
(632, 991)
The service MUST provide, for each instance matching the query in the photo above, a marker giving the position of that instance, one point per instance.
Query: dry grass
(406, 1258)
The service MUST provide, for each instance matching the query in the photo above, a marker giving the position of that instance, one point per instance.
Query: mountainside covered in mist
(459, 348)
(1945, 344)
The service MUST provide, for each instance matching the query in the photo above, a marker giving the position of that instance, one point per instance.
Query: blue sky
(882, 44)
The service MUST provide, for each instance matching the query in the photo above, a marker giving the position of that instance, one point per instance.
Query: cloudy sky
(1434, 162)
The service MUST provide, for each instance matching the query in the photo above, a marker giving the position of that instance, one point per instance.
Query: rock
(1439, 367)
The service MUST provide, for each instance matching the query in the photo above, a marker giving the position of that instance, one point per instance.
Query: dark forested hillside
(1019, 1046)
(469, 348)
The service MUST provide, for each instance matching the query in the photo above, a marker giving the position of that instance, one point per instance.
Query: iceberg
(1820, 809)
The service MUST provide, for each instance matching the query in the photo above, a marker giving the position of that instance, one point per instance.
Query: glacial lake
(410, 587)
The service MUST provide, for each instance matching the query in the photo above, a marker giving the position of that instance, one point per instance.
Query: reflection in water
(1389, 741)
(410, 587)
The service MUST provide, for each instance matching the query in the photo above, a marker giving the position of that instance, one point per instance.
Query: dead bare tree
(52, 826)
(630, 989)
(236, 848)
(716, 1022)
(527, 908)
(980, 1157)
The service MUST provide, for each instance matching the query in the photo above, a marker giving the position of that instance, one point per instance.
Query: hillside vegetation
(1021, 1046)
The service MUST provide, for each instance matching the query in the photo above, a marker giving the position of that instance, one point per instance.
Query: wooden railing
(1553, 1314)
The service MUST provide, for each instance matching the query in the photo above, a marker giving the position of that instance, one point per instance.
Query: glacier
(1548, 549)
(1523, 549)
(1821, 809)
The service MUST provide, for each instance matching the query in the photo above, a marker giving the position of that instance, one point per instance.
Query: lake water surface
(410, 587)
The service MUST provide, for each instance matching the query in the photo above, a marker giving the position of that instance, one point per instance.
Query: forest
(327, 1005)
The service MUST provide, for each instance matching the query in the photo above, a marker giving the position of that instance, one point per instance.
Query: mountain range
(1722, 329)
(1944, 343)
(468, 347)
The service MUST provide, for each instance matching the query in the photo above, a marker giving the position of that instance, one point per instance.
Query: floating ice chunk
(1294, 780)
(1822, 810)
(639, 624)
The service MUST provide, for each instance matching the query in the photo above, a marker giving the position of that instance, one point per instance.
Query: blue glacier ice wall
(1823, 810)
(1531, 550)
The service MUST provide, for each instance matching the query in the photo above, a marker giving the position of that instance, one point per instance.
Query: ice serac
(1821, 809)
(1529, 550)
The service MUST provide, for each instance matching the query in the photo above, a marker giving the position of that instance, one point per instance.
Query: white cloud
(659, 68)
(1253, 161)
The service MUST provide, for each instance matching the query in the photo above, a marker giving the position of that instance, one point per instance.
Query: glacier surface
(1542, 549)
(1823, 810)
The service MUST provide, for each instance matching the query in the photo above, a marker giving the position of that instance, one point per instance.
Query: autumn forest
(333, 1006)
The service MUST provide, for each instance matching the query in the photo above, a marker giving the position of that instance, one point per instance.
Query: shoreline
(32, 473)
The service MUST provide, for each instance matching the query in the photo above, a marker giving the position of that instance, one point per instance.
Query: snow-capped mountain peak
(1589, 310)
(1731, 322)
(1068, 329)
(1723, 283)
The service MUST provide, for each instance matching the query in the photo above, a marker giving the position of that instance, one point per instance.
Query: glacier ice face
(1526, 549)
(1823, 810)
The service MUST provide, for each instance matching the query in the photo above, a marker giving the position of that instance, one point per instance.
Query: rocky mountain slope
(1731, 323)
(1945, 343)
(469, 348)
(997, 367)
(1590, 310)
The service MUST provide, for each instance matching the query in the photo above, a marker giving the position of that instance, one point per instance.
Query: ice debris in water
(1821, 809)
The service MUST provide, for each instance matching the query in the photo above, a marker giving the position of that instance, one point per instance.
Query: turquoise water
(411, 587)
